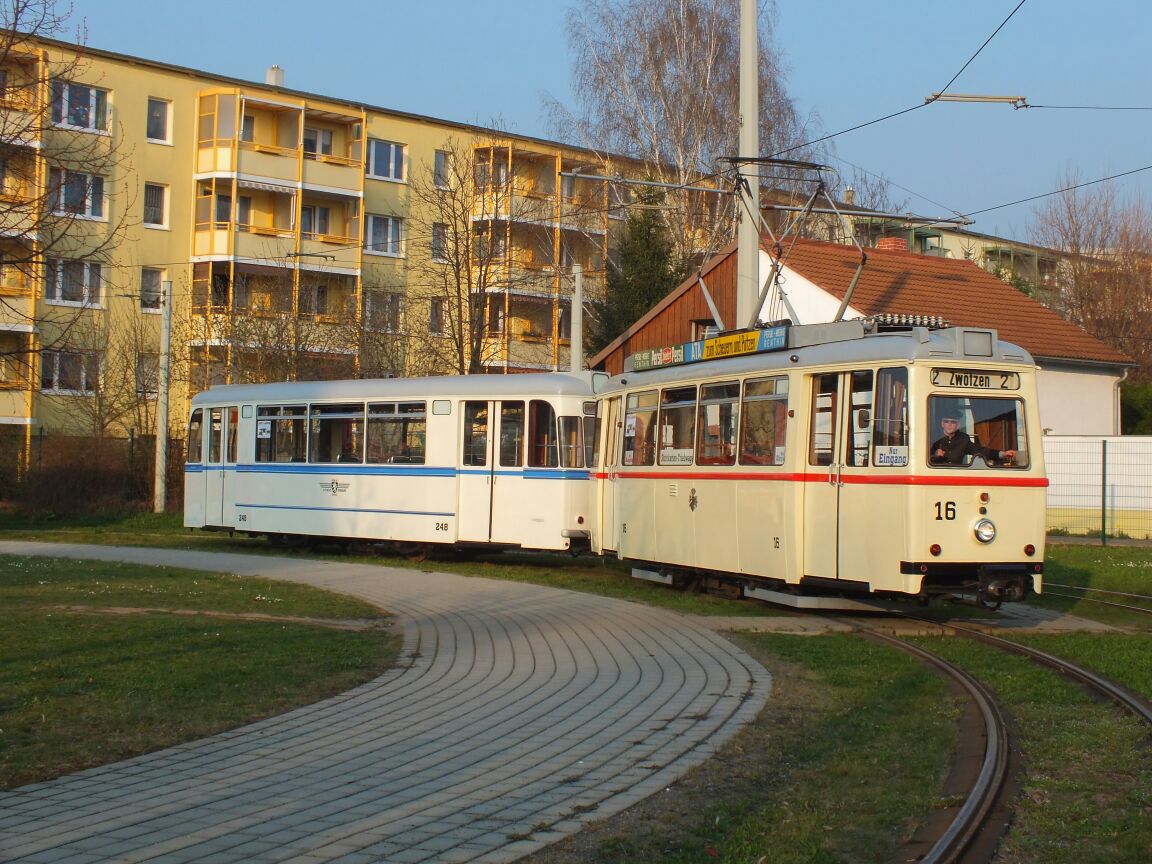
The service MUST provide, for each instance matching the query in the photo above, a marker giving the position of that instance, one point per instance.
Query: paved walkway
(518, 713)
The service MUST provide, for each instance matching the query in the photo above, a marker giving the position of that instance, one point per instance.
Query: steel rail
(1097, 591)
(1082, 598)
(1124, 697)
(968, 822)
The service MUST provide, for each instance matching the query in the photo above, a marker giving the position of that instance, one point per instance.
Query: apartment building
(302, 236)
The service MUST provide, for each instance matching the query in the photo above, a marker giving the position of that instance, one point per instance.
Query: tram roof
(366, 389)
(842, 344)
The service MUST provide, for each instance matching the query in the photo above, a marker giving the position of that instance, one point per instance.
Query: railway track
(1084, 597)
(974, 828)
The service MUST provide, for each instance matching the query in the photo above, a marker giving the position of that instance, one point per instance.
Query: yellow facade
(296, 231)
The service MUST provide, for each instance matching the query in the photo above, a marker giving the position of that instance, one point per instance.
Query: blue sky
(848, 63)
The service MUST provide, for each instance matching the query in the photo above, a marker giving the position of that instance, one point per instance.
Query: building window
(74, 192)
(150, 282)
(384, 235)
(158, 121)
(155, 205)
(439, 242)
(248, 128)
(385, 160)
(147, 375)
(436, 315)
(314, 220)
(318, 142)
(72, 282)
(382, 311)
(68, 371)
(79, 106)
(442, 169)
(313, 298)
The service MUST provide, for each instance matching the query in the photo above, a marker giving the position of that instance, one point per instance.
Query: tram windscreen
(978, 431)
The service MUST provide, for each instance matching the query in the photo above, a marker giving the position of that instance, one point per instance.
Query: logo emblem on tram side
(333, 486)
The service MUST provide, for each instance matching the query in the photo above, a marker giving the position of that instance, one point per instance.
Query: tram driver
(957, 447)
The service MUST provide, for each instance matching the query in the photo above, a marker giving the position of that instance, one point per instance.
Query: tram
(466, 460)
(811, 459)
(805, 460)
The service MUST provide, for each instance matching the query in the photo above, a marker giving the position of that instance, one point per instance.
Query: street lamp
(160, 486)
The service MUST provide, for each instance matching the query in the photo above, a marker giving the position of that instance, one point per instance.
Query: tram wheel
(414, 552)
(987, 602)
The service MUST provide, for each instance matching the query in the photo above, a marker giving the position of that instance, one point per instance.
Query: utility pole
(576, 340)
(160, 484)
(748, 197)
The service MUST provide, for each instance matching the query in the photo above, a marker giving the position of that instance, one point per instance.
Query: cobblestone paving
(517, 713)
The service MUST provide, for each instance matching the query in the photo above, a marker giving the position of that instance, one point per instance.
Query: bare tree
(465, 240)
(1104, 278)
(63, 197)
(658, 81)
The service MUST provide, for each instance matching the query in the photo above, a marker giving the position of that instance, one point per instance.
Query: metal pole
(1104, 492)
(160, 484)
(748, 197)
(576, 342)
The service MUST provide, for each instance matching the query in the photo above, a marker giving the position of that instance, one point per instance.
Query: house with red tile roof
(1079, 375)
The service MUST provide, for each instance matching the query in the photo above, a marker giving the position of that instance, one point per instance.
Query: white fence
(1100, 486)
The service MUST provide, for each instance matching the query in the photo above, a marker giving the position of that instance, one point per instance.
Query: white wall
(812, 304)
(1078, 402)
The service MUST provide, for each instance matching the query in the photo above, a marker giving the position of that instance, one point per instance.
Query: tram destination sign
(718, 347)
(976, 379)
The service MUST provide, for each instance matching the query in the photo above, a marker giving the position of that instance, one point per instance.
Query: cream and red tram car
(461, 460)
(807, 463)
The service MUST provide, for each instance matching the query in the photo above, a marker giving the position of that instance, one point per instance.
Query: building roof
(961, 292)
(892, 281)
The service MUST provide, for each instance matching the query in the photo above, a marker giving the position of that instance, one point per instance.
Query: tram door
(494, 505)
(608, 484)
(839, 437)
(474, 509)
(220, 465)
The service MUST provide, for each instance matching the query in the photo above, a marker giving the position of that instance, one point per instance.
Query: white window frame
(394, 232)
(163, 223)
(146, 306)
(321, 141)
(54, 270)
(442, 170)
(440, 242)
(166, 138)
(392, 303)
(436, 309)
(147, 374)
(393, 156)
(68, 97)
(318, 222)
(58, 183)
(50, 367)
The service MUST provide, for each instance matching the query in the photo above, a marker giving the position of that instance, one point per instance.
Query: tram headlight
(985, 531)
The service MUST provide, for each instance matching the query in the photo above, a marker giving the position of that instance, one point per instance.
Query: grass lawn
(103, 661)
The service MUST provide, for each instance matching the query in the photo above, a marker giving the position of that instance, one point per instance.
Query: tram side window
(281, 433)
(976, 431)
(397, 432)
(763, 439)
(717, 424)
(542, 434)
(475, 433)
(336, 433)
(215, 434)
(860, 418)
(677, 425)
(591, 433)
(825, 395)
(512, 434)
(571, 446)
(194, 444)
(233, 432)
(890, 419)
(640, 428)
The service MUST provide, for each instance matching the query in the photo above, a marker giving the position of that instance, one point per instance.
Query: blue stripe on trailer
(343, 510)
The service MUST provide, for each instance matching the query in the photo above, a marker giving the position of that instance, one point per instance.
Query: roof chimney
(850, 196)
(274, 77)
(892, 244)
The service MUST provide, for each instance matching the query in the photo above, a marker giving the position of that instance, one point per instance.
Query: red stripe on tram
(822, 477)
